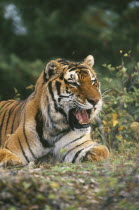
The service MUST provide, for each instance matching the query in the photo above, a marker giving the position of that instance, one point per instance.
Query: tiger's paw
(7, 158)
(97, 153)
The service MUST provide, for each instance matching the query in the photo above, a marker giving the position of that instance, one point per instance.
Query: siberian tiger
(55, 118)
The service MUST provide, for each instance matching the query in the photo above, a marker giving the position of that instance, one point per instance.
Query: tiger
(55, 120)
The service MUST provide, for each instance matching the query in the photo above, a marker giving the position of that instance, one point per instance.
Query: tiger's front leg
(75, 147)
(7, 158)
(97, 153)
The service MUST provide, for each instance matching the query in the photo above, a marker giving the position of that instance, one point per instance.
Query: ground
(111, 184)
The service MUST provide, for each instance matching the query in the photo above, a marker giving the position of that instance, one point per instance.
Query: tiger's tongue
(82, 116)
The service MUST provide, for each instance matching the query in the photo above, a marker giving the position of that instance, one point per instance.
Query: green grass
(112, 184)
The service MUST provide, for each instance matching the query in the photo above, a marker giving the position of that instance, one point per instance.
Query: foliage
(16, 74)
(112, 184)
(120, 117)
(72, 29)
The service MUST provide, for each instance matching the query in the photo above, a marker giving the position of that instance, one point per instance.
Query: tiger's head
(72, 92)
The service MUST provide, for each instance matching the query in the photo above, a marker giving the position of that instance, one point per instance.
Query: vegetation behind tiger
(33, 34)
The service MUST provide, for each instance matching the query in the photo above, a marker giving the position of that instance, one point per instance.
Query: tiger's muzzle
(79, 118)
(88, 97)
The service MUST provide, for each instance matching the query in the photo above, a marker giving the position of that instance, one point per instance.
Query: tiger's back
(10, 113)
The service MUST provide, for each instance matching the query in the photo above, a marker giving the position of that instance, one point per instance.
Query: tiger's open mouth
(79, 118)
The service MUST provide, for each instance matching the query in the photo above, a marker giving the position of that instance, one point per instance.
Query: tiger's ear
(89, 60)
(50, 69)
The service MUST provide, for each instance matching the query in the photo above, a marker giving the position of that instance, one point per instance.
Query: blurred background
(34, 32)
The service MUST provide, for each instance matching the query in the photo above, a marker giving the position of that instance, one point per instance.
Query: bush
(120, 117)
(17, 73)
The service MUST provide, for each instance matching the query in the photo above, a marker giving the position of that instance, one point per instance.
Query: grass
(112, 184)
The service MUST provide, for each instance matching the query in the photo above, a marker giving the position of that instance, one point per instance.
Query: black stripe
(49, 114)
(21, 109)
(14, 119)
(23, 152)
(63, 61)
(5, 102)
(45, 79)
(77, 68)
(61, 134)
(58, 85)
(61, 96)
(3, 118)
(61, 77)
(82, 68)
(74, 148)
(58, 109)
(74, 140)
(3, 106)
(61, 112)
(73, 69)
(51, 72)
(66, 82)
(9, 116)
(39, 129)
(51, 91)
(24, 132)
(45, 143)
(76, 156)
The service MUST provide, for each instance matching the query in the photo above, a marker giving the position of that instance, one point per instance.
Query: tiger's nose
(93, 101)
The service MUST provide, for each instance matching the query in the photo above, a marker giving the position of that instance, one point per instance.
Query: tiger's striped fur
(55, 118)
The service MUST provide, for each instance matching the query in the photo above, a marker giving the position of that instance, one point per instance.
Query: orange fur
(21, 122)
(98, 153)
(8, 158)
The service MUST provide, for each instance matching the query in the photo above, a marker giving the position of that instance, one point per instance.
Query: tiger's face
(76, 92)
